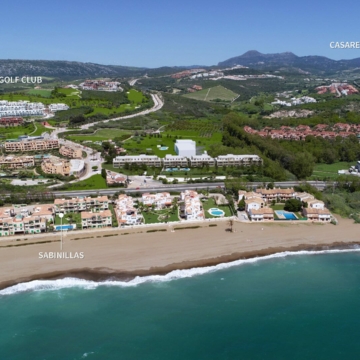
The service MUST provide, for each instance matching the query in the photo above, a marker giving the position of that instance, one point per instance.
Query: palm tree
(231, 224)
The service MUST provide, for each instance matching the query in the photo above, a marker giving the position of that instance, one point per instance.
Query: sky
(174, 33)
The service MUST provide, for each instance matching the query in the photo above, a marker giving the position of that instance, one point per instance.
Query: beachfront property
(263, 214)
(314, 214)
(159, 200)
(201, 160)
(310, 200)
(238, 160)
(81, 204)
(191, 208)
(185, 148)
(126, 212)
(175, 160)
(11, 121)
(113, 178)
(17, 162)
(21, 108)
(30, 144)
(55, 165)
(276, 194)
(70, 152)
(91, 220)
(255, 206)
(149, 160)
(25, 219)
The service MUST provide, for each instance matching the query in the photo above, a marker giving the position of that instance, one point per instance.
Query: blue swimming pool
(65, 227)
(285, 215)
(163, 148)
(216, 212)
(177, 169)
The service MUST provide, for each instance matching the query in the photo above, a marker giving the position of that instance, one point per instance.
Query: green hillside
(212, 94)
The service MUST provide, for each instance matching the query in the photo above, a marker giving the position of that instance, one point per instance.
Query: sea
(302, 305)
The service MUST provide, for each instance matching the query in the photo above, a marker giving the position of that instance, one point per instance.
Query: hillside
(312, 64)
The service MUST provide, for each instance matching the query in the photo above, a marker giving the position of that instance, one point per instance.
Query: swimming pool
(177, 169)
(65, 227)
(216, 212)
(285, 215)
(163, 148)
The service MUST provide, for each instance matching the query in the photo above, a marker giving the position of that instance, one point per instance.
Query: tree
(241, 204)
(293, 205)
(103, 173)
(302, 165)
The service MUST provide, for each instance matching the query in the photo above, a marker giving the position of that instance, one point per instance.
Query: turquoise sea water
(293, 307)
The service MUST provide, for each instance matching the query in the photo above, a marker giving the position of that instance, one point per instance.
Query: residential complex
(100, 85)
(191, 207)
(55, 165)
(58, 107)
(159, 200)
(90, 220)
(276, 194)
(238, 160)
(17, 162)
(30, 145)
(200, 160)
(78, 204)
(70, 152)
(149, 160)
(175, 160)
(11, 121)
(21, 108)
(126, 212)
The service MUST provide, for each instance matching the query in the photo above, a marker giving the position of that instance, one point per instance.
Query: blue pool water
(216, 212)
(163, 148)
(287, 215)
(64, 227)
(176, 169)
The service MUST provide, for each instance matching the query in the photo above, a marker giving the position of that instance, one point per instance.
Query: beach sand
(125, 253)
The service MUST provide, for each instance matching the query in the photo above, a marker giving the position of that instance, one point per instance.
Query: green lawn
(70, 218)
(330, 170)
(41, 92)
(135, 96)
(210, 203)
(14, 132)
(94, 182)
(100, 135)
(153, 217)
(216, 92)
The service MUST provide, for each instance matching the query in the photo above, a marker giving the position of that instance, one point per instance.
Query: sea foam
(47, 285)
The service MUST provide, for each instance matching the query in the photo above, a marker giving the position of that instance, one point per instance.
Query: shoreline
(119, 257)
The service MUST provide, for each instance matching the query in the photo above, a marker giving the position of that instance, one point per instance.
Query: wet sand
(125, 253)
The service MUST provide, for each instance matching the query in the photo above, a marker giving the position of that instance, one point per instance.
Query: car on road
(137, 188)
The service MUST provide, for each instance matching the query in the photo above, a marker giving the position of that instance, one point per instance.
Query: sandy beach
(126, 253)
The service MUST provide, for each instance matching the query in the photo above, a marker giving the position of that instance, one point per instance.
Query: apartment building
(262, 214)
(200, 160)
(70, 152)
(125, 211)
(11, 121)
(24, 219)
(91, 220)
(310, 200)
(160, 200)
(58, 107)
(149, 160)
(30, 145)
(175, 160)
(20, 108)
(274, 194)
(17, 162)
(55, 165)
(238, 160)
(78, 204)
(314, 214)
(192, 208)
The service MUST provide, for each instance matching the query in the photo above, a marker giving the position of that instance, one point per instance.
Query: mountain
(314, 64)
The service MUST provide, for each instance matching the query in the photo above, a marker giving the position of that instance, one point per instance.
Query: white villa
(125, 211)
(160, 200)
(192, 208)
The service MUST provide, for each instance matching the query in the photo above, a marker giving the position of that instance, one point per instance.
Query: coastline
(139, 253)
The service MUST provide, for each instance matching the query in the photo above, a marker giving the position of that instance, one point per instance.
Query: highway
(181, 187)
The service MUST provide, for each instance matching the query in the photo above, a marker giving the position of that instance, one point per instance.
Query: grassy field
(73, 218)
(153, 217)
(139, 145)
(14, 132)
(94, 182)
(210, 203)
(135, 96)
(100, 135)
(330, 170)
(216, 92)
(41, 92)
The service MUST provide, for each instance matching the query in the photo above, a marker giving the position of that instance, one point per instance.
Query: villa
(125, 211)
(160, 200)
(192, 208)
(262, 214)
(314, 214)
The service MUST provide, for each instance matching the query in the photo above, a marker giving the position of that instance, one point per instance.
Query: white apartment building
(125, 211)
(200, 160)
(150, 160)
(175, 160)
(91, 220)
(185, 148)
(20, 108)
(160, 200)
(81, 204)
(58, 107)
(192, 208)
(238, 160)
